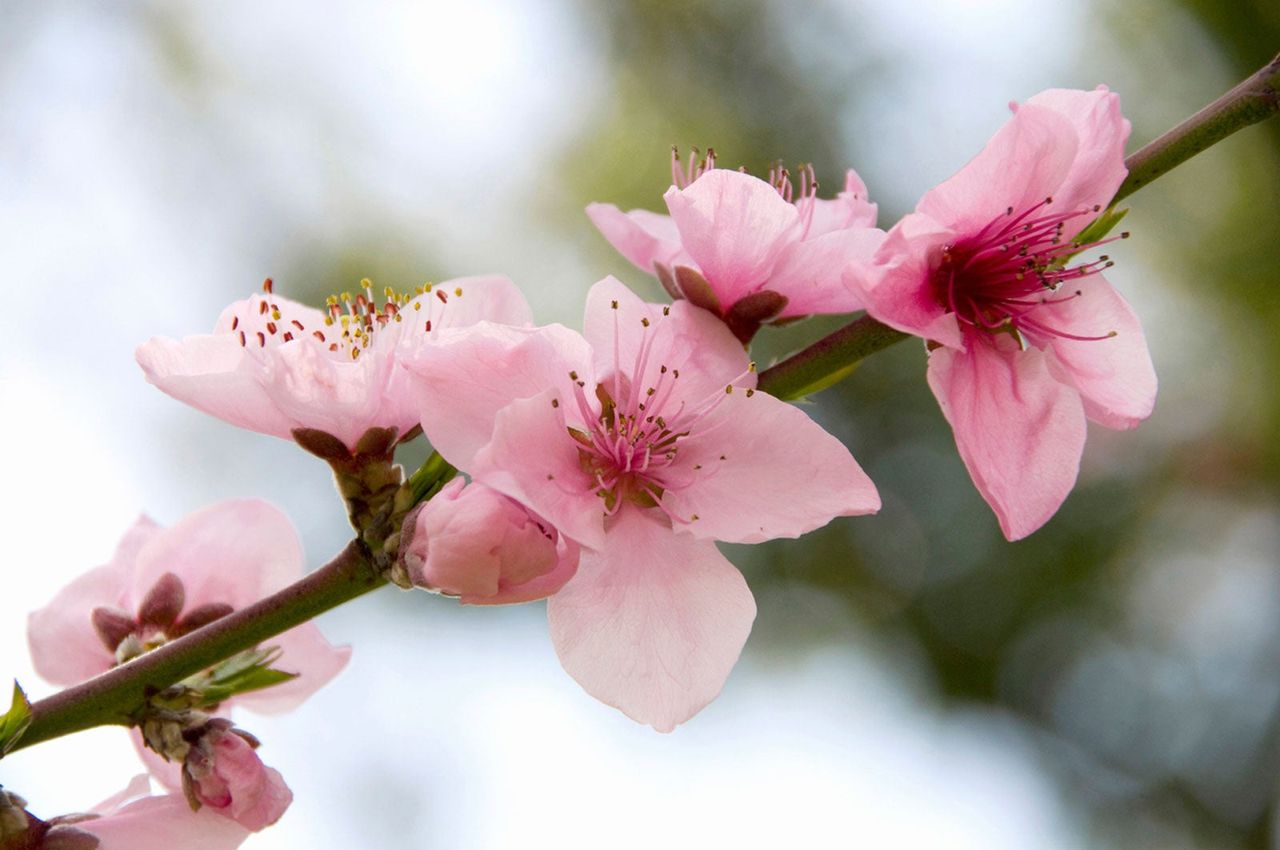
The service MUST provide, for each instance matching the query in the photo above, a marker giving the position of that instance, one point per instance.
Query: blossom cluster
(602, 465)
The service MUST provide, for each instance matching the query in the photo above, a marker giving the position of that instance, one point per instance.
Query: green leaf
(246, 671)
(15, 721)
(820, 383)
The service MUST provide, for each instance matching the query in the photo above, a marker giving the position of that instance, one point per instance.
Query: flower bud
(472, 542)
(223, 772)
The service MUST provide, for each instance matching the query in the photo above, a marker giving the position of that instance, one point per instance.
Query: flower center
(997, 279)
(350, 323)
(630, 448)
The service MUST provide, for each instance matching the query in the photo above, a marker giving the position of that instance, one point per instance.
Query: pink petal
(163, 823)
(811, 273)
(897, 286)
(734, 226)
(213, 374)
(1019, 431)
(643, 237)
(65, 648)
(461, 382)
(848, 209)
(652, 624)
(541, 587)
(1098, 167)
(1025, 162)
(167, 773)
(259, 796)
(1115, 376)
(234, 552)
(687, 339)
(485, 298)
(341, 397)
(766, 470)
(532, 459)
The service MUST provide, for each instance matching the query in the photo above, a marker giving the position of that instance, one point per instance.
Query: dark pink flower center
(631, 446)
(351, 322)
(998, 279)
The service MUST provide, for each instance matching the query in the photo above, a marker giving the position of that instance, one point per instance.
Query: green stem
(114, 696)
(831, 358)
(1254, 100)
(822, 363)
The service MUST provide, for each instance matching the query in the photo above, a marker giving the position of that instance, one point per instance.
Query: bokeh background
(912, 679)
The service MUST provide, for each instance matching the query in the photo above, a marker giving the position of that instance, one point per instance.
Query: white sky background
(129, 209)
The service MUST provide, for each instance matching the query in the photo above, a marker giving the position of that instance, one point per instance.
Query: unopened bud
(223, 771)
(475, 543)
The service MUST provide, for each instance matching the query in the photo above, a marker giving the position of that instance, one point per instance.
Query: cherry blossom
(645, 441)
(472, 542)
(1026, 344)
(274, 365)
(749, 250)
(162, 583)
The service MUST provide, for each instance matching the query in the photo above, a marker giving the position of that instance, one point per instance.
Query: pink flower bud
(472, 542)
(224, 773)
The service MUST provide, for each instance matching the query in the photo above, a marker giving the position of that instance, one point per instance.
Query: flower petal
(897, 286)
(811, 273)
(1025, 162)
(734, 226)
(65, 648)
(652, 624)
(758, 468)
(680, 337)
(643, 237)
(1020, 432)
(479, 298)
(460, 382)
(234, 552)
(848, 209)
(532, 459)
(162, 823)
(1097, 169)
(213, 374)
(1115, 376)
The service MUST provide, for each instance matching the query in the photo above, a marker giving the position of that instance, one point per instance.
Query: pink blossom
(162, 583)
(136, 820)
(1024, 345)
(646, 442)
(750, 251)
(273, 365)
(223, 772)
(472, 542)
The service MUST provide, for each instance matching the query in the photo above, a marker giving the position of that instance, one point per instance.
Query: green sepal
(1097, 229)
(15, 721)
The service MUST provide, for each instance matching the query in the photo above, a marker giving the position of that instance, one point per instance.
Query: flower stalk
(833, 357)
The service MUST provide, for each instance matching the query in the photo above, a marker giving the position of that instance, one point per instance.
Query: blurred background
(912, 679)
